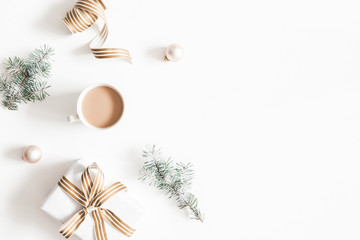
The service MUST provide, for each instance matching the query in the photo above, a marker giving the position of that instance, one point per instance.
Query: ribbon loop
(83, 15)
(91, 197)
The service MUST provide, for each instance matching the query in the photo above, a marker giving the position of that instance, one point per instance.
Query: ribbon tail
(117, 223)
(71, 225)
(99, 226)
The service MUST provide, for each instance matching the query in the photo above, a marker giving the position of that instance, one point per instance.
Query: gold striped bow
(91, 197)
(82, 16)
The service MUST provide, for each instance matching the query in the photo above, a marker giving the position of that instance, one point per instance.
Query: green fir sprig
(25, 80)
(174, 179)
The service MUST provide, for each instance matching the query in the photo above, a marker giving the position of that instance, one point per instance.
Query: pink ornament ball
(32, 154)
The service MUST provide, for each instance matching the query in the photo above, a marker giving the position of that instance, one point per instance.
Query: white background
(265, 104)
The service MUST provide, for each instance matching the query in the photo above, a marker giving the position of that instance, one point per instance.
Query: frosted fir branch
(174, 179)
(15, 66)
(24, 80)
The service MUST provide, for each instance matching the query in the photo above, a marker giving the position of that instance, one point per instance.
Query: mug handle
(73, 118)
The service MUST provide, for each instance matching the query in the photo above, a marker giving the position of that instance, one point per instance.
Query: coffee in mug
(99, 106)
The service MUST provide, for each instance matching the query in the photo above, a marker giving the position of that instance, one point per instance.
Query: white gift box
(61, 206)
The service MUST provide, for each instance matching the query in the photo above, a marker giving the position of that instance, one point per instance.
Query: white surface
(265, 103)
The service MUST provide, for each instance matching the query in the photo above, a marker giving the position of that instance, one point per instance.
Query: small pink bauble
(174, 52)
(32, 154)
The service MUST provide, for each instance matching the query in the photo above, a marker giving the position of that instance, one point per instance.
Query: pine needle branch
(172, 178)
(24, 80)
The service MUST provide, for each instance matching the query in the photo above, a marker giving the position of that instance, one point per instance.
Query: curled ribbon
(82, 16)
(91, 197)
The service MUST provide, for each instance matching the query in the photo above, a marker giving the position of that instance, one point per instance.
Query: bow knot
(91, 197)
(89, 209)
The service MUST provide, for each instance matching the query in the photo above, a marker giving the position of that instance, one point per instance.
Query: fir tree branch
(16, 95)
(187, 203)
(25, 81)
(37, 91)
(3, 83)
(174, 180)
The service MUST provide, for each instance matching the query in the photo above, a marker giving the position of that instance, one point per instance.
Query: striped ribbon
(92, 195)
(82, 16)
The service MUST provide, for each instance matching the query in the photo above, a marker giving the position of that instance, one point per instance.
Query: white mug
(80, 116)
